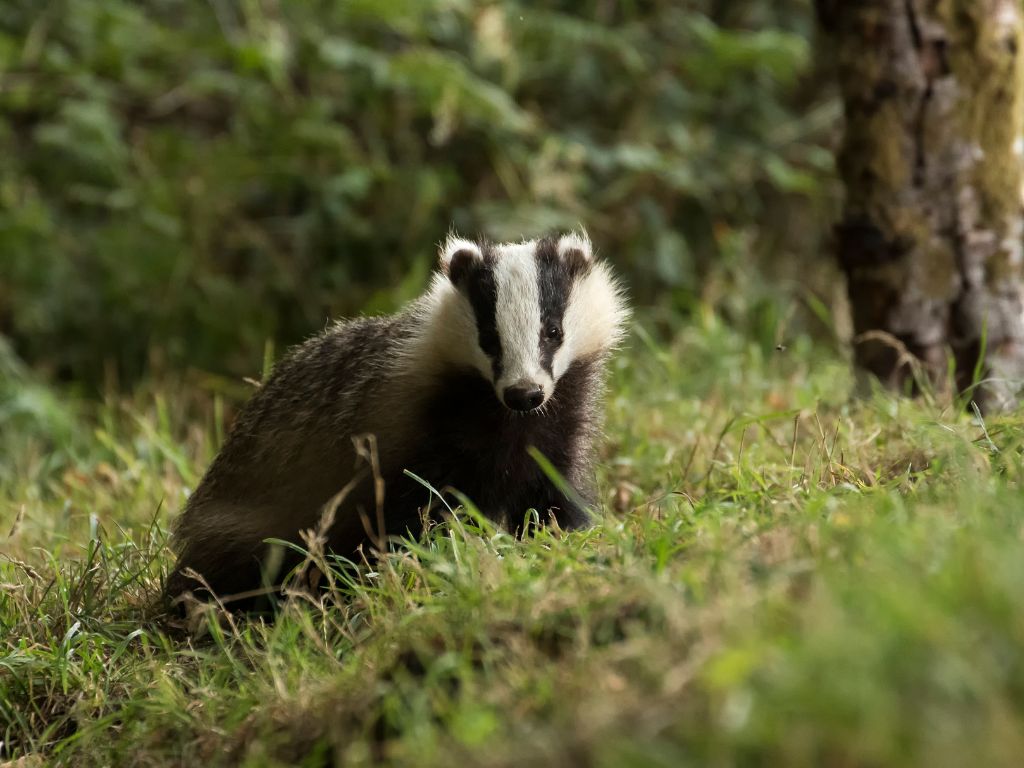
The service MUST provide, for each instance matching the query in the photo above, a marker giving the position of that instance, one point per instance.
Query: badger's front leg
(568, 510)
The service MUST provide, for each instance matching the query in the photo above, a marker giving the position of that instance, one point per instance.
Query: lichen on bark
(930, 239)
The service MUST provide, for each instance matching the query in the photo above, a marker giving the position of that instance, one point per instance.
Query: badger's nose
(524, 396)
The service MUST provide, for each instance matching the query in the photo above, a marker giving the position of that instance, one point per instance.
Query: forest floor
(784, 574)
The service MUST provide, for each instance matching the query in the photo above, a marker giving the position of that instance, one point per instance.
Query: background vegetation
(784, 574)
(184, 180)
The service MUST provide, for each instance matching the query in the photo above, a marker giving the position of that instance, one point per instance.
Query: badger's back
(289, 451)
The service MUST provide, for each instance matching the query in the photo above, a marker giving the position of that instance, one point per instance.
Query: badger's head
(522, 313)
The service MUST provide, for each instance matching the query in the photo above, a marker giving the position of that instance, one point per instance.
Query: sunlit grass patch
(782, 574)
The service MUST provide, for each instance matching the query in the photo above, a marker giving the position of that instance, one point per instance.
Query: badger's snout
(523, 396)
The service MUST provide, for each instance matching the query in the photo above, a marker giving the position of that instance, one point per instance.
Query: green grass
(785, 574)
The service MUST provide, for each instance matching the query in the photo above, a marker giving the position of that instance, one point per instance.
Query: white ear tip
(453, 244)
(575, 241)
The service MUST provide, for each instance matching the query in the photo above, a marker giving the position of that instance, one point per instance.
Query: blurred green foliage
(182, 180)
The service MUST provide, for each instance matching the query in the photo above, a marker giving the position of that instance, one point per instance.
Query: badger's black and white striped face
(537, 307)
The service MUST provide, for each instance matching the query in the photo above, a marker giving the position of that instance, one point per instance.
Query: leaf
(344, 54)
(432, 75)
(726, 54)
(569, 33)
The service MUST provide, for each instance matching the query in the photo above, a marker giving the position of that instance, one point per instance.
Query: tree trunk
(931, 235)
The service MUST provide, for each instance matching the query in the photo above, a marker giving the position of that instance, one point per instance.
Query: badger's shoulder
(328, 369)
(311, 402)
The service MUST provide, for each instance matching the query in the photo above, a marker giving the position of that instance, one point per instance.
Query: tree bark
(931, 234)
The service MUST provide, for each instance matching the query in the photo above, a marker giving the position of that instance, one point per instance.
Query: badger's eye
(552, 332)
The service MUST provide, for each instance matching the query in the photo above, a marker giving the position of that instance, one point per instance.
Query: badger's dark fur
(446, 389)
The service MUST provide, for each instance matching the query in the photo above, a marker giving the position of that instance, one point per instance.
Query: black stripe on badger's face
(556, 274)
(482, 291)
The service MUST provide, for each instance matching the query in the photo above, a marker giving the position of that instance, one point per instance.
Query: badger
(505, 352)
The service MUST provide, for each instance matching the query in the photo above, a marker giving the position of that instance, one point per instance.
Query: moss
(988, 64)
(934, 96)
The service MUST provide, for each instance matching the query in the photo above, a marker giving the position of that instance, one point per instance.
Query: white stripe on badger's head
(518, 317)
(538, 306)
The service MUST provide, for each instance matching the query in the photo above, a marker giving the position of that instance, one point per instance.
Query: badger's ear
(458, 257)
(575, 250)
